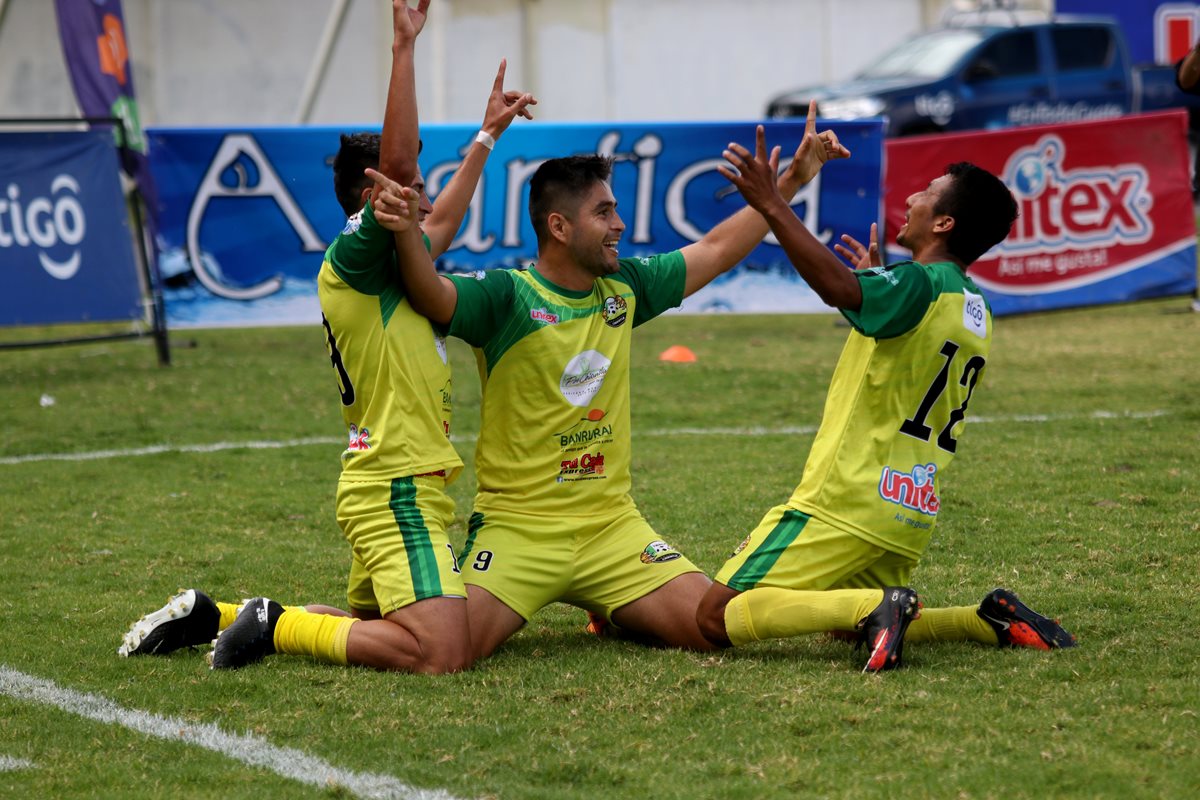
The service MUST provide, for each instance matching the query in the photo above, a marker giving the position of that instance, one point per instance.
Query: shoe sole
(178, 607)
(1027, 628)
(907, 615)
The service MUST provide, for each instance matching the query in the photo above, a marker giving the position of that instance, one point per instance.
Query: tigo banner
(66, 249)
(1105, 208)
(247, 214)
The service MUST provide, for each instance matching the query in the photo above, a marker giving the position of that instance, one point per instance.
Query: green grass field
(1077, 485)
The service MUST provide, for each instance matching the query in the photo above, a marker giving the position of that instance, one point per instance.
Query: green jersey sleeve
(894, 299)
(364, 254)
(483, 299)
(657, 283)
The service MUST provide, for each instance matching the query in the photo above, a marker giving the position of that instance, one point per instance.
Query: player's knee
(710, 618)
(447, 658)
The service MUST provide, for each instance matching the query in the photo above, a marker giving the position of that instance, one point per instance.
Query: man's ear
(557, 224)
(364, 194)
(943, 224)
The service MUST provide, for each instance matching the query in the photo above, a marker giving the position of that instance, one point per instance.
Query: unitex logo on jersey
(48, 218)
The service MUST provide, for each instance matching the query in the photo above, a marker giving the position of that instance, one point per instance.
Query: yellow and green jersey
(555, 433)
(897, 404)
(391, 368)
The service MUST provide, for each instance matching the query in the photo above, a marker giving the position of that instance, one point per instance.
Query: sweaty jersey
(896, 404)
(391, 369)
(555, 434)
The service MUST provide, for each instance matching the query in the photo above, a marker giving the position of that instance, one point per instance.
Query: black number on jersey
(453, 559)
(483, 560)
(915, 425)
(335, 357)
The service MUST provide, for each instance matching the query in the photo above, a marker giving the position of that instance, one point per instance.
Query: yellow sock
(321, 636)
(957, 624)
(229, 612)
(777, 613)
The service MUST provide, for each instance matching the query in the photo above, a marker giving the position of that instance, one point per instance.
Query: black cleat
(1018, 625)
(883, 629)
(250, 638)
(189, 619)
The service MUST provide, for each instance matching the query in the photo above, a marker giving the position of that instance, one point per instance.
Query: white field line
(10, 764)
(214, 447)
(247, 748)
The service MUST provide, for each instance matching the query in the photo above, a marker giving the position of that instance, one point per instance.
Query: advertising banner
(66, 249)
(1106, 210)
(93, 39)
(247, 214)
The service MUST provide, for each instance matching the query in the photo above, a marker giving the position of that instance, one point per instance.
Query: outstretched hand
(754, 175)
(503, 107)
(814, 150)
(408, 22)
(856, 254)
(397, 208)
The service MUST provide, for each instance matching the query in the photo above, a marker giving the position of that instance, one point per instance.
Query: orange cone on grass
(678, 354)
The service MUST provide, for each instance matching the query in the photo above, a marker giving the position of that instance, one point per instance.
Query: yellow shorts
(397, 534)
(791, 550)
(599, 564)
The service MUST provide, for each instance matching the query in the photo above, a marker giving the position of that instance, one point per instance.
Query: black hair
(357, 152)
(559, 185)
(983, 209)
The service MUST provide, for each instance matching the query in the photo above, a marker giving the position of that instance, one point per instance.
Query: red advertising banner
(1106, 211)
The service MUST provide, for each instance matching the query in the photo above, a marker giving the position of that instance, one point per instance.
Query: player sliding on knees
(838, 556)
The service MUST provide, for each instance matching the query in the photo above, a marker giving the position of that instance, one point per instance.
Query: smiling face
(593, 232)
(922, 223)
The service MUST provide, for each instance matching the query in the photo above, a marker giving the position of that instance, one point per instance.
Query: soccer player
(838, 555)
(553, 517)
(406, 596)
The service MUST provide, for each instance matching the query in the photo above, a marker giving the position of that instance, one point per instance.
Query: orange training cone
(678, 354)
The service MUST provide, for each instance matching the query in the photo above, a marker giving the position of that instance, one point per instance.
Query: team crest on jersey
(659, 552)
(615, 310)
(359, 439)
(912, 490)
(353, 223)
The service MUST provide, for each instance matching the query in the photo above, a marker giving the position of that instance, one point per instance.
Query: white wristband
(485, 139)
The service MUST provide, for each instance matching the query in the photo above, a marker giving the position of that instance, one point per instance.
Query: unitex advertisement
(1106, 210)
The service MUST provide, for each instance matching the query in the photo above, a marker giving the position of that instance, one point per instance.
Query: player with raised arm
(405, 592)
(553, 517)
(839, 554)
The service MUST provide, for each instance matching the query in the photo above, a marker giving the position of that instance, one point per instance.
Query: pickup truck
(987, 74)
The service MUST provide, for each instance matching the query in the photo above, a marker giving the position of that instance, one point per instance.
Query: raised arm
(729, 242)
(754, 176)
(443, 222)
(400, 140)
(396, 209)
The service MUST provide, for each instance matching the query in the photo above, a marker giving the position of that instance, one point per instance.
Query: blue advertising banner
(1157, 31)
(66, 249)
(247, 214)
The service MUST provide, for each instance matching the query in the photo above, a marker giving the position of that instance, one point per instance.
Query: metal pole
(316, 75)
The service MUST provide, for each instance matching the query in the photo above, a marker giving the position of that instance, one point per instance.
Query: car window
(1082, 47)
(930, 55)
(1009, 55)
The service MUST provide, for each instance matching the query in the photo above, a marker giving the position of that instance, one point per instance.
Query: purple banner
(93, 42)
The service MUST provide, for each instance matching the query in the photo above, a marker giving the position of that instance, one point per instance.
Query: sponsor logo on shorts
(615, 311)
(912, 490)
(742, 546)
(659, 552)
